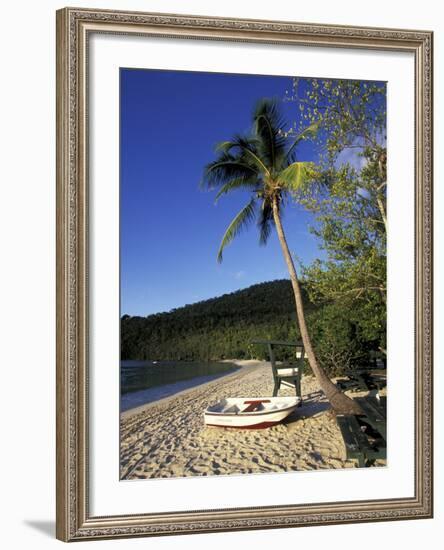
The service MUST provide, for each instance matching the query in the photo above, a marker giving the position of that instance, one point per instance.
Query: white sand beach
(168, 438)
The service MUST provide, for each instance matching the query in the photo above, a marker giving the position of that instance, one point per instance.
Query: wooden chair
(287, 374)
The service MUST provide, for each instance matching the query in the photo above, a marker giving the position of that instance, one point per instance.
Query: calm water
(145, 381)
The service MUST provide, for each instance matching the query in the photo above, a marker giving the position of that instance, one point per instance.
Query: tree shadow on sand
(313, 404)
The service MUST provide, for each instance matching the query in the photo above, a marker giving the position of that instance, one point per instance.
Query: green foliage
(341, 342)
(350, 113)
(349, 201)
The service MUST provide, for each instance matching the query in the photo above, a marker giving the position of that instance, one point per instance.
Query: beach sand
(168, 438)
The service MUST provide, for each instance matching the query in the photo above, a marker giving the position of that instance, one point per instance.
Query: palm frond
(295, 175)
(223, 146)
(247, 149)
(224, 169)
(267, 125)
(309, 131)
(250, 184)
(238, 141)
(265, 222)
(245, 216)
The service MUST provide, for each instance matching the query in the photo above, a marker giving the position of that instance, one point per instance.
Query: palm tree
(263, 164)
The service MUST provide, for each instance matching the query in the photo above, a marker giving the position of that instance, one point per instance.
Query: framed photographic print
(244, 274)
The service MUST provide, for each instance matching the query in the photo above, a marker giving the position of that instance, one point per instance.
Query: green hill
(214, 329)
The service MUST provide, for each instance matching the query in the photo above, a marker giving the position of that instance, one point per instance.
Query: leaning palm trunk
(338, 400)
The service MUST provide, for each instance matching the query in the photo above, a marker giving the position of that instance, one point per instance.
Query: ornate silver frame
(74, 521)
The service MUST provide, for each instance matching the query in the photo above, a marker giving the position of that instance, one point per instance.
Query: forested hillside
(214, 329)
(224, 327)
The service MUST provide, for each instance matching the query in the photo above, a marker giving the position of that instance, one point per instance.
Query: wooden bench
(365, 435)
(375, 413)
(362, 380)
(286, 374)
(357, 443)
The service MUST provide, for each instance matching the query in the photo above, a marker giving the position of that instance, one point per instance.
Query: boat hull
(272, 410)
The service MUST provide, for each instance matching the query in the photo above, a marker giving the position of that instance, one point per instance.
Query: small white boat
(250, 412)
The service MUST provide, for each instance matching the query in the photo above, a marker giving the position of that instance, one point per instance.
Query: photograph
(253, 285)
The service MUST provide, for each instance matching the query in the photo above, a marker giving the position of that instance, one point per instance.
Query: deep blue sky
(170, 228)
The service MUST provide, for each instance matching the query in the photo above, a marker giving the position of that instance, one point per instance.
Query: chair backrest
(272, 344)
